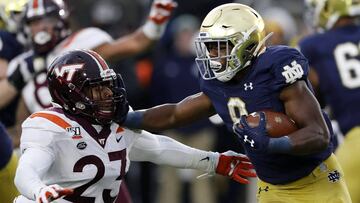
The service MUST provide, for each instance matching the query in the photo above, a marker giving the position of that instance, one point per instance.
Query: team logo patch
(293, 72)
(74, 132)
(334, 176)
(81, 145)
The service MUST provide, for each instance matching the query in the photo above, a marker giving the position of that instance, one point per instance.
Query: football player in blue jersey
(11, 44)
(239, 75)
(334, 58)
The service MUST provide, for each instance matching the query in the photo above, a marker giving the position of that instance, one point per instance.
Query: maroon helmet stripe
(99, 59)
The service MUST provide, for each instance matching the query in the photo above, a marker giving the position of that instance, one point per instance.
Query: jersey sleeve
(87, 38)
(290, 66)
(166, 151)
(20, 70)
(40, 133)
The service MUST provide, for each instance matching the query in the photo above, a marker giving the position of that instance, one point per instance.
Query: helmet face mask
(238, 32)
(81, 82)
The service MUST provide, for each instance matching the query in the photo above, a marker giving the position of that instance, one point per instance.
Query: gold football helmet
(325, 13)
(11, 14)
(237, 32)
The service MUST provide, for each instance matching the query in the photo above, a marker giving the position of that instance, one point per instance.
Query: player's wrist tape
(152, 30)
(134, 119)
(280, 145)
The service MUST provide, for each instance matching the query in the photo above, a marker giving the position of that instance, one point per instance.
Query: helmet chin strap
(262, 42)
(223, 76)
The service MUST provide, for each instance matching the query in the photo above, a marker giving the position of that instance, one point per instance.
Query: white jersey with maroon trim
(35, 93)
(90, 159)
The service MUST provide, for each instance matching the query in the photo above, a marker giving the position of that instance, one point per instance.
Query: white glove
(159, 16)
(233, 165)
(50, 193)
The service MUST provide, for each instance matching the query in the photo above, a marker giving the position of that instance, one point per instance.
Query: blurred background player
(281, 23)
(12, 43)
(239, 75)
(75, 149)
(334, 58)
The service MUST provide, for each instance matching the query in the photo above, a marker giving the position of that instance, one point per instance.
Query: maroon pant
(124, 195)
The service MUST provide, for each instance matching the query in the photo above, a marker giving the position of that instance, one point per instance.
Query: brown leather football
(277, 124)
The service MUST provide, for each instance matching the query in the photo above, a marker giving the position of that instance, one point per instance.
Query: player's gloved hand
(122, 108)
(236, 166)
(159, 16)
(161, 10)
(256, 138)
(50, 193)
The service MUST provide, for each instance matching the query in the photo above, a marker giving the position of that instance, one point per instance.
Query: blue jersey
(335, 56)
(259, 89)
(9, 45)
(9, 48)
(6, 147)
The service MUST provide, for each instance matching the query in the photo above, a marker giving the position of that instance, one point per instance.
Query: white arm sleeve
(33, 164)
(164, 150)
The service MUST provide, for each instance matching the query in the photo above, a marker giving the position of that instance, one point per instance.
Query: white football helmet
(236, 27)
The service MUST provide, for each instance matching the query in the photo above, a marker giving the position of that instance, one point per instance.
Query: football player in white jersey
(48, 26)
(76, 150)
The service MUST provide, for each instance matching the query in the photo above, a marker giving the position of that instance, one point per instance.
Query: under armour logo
(251, 141)
(293, 72)
(334, 176)
(266, 189)
(248, 86)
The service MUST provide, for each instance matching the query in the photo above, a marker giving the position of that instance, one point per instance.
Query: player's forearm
(27, 181)
(7, 94)
(166, 151)
(309, 140)
(153, 119)
(32, 165)
(126, 46)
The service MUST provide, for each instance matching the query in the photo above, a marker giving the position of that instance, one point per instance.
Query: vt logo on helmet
(81, 82)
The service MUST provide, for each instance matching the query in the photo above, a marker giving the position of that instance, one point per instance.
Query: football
(277, 124)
